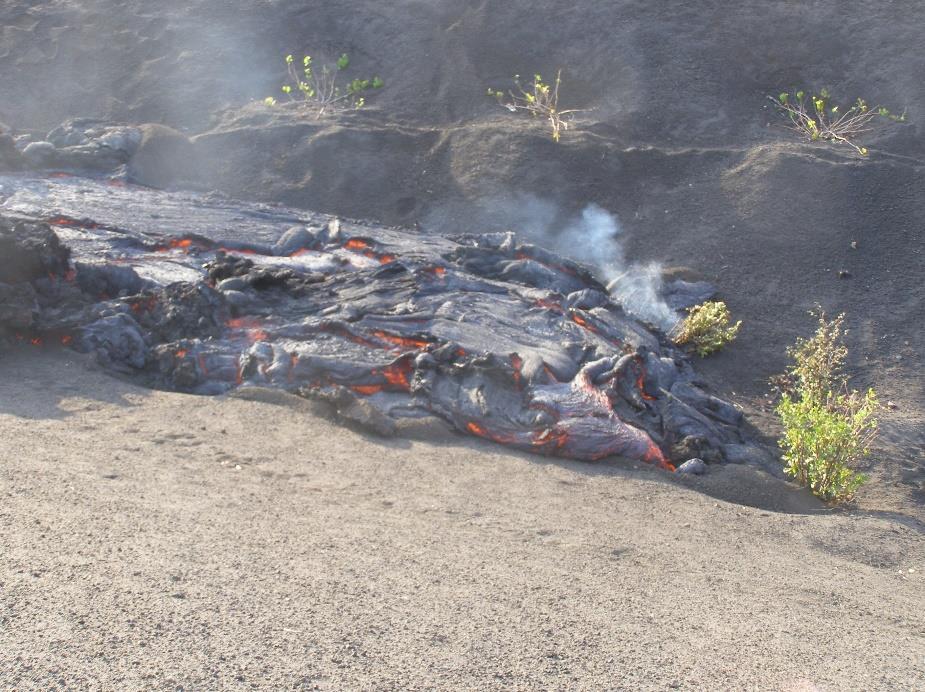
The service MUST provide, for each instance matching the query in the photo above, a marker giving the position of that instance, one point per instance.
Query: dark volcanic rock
(29, 251)
(17, 307)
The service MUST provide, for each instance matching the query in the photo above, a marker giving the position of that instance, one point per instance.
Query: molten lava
(73, 223)
(641, 382)
(401, 341)
(398, 374)
(252, 328)
(480, 431)
(356, 244)
(495, 351)
(362, 246)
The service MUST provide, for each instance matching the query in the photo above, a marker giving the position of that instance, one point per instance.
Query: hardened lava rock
(29, 254)
(503, 340)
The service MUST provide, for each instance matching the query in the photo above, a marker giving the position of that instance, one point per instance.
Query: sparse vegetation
(827, 428)
(814, 117)
(319, 86)
(707, 328)
(540, 100)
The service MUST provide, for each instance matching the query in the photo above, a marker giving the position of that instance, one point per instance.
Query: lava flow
(218, 304)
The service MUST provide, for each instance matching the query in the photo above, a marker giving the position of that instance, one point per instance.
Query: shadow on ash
(503, 340)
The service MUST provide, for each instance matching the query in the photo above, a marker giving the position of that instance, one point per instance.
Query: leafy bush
(540, 100)
(827, 428)
(817, 119)
(320, 87)
(707, 328)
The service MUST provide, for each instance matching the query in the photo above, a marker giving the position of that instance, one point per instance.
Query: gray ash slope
(501, 339)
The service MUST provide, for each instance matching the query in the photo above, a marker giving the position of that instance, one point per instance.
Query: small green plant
(539, 100)
(707, 328)
(827, 427)
(319, 86)
(816, 118)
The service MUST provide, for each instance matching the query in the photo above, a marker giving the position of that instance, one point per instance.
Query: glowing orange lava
(403, 341)
(478, 430)
(555, 439)
(175, 244)
(398, 374)
(68, 221)
(251, 326)
(641, 381)
(654, 456)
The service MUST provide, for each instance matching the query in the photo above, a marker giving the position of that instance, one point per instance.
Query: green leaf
(288, 59)
(378, 83)
(343, 61)
(783, 97)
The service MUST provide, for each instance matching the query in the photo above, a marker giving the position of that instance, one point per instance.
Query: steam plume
(592, 237)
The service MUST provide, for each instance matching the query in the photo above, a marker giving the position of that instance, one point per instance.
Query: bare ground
(162, 541)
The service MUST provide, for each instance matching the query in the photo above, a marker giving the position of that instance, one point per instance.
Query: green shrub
(320, 87)
(821, 442)
(539, 100)
(707, 328)
(817, 119)
(827, 428)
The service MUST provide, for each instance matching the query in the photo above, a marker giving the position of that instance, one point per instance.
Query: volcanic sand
(157, 540)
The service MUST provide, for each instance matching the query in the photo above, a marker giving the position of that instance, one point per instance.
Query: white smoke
(592, 237)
